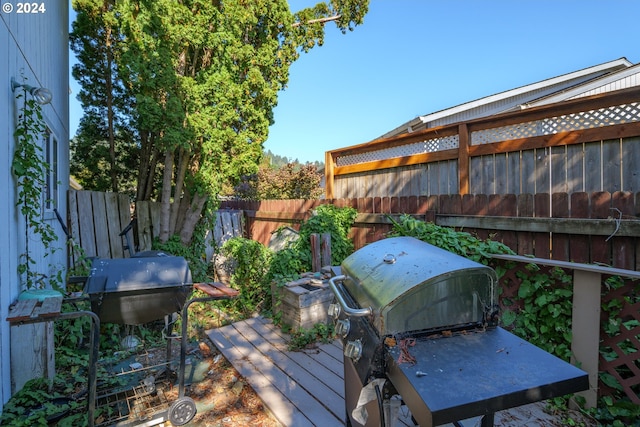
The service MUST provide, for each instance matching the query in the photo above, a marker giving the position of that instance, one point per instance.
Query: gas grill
(419, 328)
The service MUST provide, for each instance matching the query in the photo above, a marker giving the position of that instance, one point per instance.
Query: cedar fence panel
(599, 227)
(586, 144)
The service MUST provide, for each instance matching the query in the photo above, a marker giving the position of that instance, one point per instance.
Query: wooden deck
(300, 388)
(306, 388)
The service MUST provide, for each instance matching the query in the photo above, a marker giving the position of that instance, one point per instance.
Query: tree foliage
(291, 181)
(195, 83)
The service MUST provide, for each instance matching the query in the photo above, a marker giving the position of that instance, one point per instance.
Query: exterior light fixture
(40, 94)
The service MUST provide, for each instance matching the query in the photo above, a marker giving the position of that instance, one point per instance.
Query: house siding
(35, 48)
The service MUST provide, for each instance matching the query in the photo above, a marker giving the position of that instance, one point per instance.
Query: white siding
(622, 83)
(33, 46)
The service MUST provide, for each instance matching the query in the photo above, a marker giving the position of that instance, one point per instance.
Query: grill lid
(412, 285)
(137, 274)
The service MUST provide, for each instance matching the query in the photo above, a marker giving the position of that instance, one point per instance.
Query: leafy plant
(545, 319)
(29, 169)
(296, 259)
(250, 260)
(458, 242)
(194, 254)
(302, 338)
(33, 405)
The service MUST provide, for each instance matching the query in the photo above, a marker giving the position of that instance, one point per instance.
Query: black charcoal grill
(419, 327)
(139, 289)
(132, 291)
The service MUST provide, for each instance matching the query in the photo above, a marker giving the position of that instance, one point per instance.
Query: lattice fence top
(617, 114)
(422, 147)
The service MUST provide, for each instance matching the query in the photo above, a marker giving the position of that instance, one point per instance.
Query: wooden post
(325, 246)
(586, 328)
(316, 264)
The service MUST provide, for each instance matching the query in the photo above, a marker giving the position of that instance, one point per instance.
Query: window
(51, 174)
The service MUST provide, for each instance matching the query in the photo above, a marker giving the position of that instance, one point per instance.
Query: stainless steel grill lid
(411, 285)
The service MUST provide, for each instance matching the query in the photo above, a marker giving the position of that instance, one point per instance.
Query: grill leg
(487, 420)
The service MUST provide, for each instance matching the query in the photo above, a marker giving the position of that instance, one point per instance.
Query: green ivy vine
(29, 169)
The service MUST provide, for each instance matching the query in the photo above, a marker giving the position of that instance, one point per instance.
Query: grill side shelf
(468, 375)
(216, 289)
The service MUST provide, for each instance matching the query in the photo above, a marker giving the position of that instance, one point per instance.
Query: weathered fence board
(95, 221)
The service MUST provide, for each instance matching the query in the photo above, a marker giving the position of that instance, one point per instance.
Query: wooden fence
(96, 221)
(597, 227)
(584, 145)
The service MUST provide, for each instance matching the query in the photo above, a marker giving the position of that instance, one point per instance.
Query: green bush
(250, 260)
(296, 258)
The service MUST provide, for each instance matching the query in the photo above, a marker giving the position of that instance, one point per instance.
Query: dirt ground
(223, 398)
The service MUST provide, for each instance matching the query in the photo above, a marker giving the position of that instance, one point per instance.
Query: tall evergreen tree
(201, 79)
(104, 130)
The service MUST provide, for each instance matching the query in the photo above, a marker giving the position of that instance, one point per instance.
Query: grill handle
(356, 312)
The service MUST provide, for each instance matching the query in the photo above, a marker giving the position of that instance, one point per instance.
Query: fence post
(585, 329)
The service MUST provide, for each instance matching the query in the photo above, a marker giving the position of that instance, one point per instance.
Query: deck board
(289, 402)
(299, 388)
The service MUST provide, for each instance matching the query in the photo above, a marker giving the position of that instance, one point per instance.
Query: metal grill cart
(419, 327)
(137, 290)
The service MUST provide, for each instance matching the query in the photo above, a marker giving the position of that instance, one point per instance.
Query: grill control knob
(342, 327)
(353, 349)
(334, 310)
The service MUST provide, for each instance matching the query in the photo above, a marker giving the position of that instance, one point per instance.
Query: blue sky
(414, 57)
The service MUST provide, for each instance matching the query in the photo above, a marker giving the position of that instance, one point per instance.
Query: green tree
(103, 152)
(202, 78)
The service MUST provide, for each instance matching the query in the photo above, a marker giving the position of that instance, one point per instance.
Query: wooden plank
(622, 247)
(85, 224)
(312, 381)
(100, 225)
(542, 173)
(154, 213)
(631, 164)
(593, 167)
(601, 208)
(144, 225)
(217, 289)
(541, 240)
(236, 223)
(596, 227)
(513, 173)
(303, 401)
(227, 227)
(560, 241)
(50, 307)
(74, 226)
(113, 224)
(575, 168)
(525, 211)
(579, 245)
(22, 310)
(330, 355)
(500, 174)
(237, 352)
(611, 162)
(558, 165)
(527, 172)
(124, 211)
